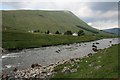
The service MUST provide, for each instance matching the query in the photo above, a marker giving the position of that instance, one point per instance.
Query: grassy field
(14, 40)
(20, 40)
(103, 64)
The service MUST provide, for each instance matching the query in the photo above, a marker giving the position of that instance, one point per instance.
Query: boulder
(35, 65)
(57, 51)
(66, 70)
(95, 49)
(90, 54)
(94, 46)
(98, 67)
(73, 70)
(110, 41)
(97, 43)
(15, 69)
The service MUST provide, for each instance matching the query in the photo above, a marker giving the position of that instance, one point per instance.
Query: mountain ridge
(113, 31)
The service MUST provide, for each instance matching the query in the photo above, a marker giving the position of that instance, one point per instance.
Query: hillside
(113, 30)
(30, 20)
(103, 64)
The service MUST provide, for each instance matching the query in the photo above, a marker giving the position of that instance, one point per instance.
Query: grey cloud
(104, 6)
(106, 9)
(14, 5)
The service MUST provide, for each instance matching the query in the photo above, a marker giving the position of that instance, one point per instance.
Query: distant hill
(113, 30)
(28, 20)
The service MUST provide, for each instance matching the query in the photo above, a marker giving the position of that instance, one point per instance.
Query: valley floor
(12, 40)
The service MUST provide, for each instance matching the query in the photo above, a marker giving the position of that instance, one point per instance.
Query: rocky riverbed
(40, 62)
(38, 71)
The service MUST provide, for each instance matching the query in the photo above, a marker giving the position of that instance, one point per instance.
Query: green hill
(29, 20)
(17, 23)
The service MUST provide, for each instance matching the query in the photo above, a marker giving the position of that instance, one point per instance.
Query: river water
(48, 55)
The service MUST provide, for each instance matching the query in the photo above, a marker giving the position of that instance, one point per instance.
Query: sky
(100, 15)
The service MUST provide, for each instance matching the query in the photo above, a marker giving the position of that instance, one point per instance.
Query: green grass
(107, 59)
(26, 20)
(13, 39)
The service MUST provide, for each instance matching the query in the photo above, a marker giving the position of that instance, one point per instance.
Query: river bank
(17, 41)
(47, 55)
(15, 50)
(103, 64)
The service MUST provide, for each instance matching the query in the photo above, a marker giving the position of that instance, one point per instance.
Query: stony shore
(38, 71)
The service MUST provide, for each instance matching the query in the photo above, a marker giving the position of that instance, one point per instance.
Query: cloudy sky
(100, 15)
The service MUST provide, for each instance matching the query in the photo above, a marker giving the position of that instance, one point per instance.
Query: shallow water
(48, 55)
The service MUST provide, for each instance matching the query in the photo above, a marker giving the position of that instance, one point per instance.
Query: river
(48, 55)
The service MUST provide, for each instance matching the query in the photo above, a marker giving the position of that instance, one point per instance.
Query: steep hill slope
(28, 20)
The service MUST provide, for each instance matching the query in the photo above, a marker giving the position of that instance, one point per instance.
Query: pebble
(99, 57)
(38, 71)
(73, 70)
(98, 67)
